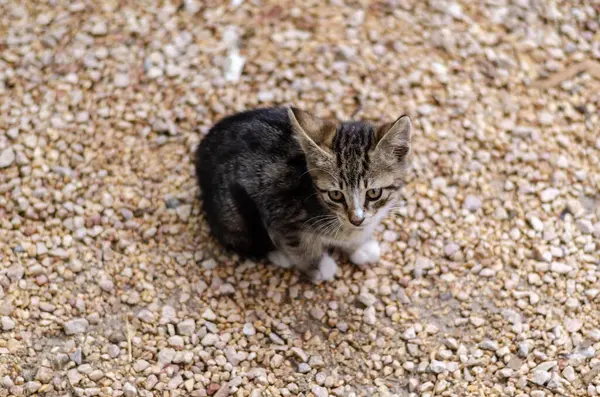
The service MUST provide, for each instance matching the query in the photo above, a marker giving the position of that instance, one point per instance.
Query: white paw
(367, 253)
(327, 269)
(279, 258)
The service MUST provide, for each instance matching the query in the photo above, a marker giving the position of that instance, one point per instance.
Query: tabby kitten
(282, 183)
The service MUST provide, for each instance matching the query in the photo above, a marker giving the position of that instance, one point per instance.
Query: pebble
(549, 195)
(209, 264)
(44, 375)
(303, 368)
(166, 355)
(129, 390)
(437, 367)
(7, 157)
(7, 323)
(121, 80)
(186, 327)
(472, 203)
(573, 324)
(76, 326)
(141, 365)
(367, 299)
(96, 375)
(319, 391)
(488, 344)
(248, 329)
(540, 377)
(209, 340)
(569, 373)
(560, 268)
(369, 316)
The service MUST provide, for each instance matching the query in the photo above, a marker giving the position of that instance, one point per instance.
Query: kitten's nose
(356, 218)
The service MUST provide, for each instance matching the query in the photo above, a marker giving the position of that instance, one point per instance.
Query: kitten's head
(357, 167)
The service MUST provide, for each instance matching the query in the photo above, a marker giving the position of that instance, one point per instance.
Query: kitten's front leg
(367, 253)
(308, 256)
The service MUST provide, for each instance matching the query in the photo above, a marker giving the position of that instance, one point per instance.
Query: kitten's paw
(367, 253)
(279, 258)
(326, 271)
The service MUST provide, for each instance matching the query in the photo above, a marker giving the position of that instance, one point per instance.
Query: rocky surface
(111, 286)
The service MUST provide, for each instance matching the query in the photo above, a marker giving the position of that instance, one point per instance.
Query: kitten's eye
(374, 194)
(336, 195)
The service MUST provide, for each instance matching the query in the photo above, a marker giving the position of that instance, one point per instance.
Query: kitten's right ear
(314, 134)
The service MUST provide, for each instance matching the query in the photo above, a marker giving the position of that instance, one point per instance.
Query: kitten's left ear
(394, 138)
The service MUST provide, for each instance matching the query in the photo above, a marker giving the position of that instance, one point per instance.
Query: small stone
(369, 316)
(166, 355)
(99, 29)
(146, 316)
(276, 338)
(316, 362)
(106, 284)
(184, 212)
(74, 377)
(367, 299)
(186, 327)
(223, 391)
(548, 195)
(409, 334)
(319, 391)
(129, 390)
(265, 96)
(585, 226)
(477, 321)
(545, 118)
(450, 249)
(32, 387)
(175, 382)
(506, 372)
(189, 385)
(560, 268)
(437, 367)
(7, 323)
(209, 340)
(472, 203)
(540, 377)
(524, 348)
(209, 264)
(44, 375)
(121, 80)
(300, 353)
(573, 324)
(276, 361)
(317, 313)
(303, 368)
(490, 345)
(76, 356)
(536, 223)
(140, 365)
(7, 157)
(249, 329)
(76, 326)
(176, 341)
(96, 375)
(569, 373)
(113, 351)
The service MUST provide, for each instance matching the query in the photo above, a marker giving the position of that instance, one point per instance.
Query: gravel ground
(111, 286)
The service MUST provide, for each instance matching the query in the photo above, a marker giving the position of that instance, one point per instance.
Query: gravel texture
(489, 281)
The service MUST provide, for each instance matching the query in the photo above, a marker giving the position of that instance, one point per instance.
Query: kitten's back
(234, 167)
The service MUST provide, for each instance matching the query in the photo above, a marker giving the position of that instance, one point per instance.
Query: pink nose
(355, 220)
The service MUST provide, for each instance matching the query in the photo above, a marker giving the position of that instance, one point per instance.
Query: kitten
(282, 183)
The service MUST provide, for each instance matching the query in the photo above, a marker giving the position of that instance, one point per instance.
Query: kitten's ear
(313, 133)
(394, 138)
